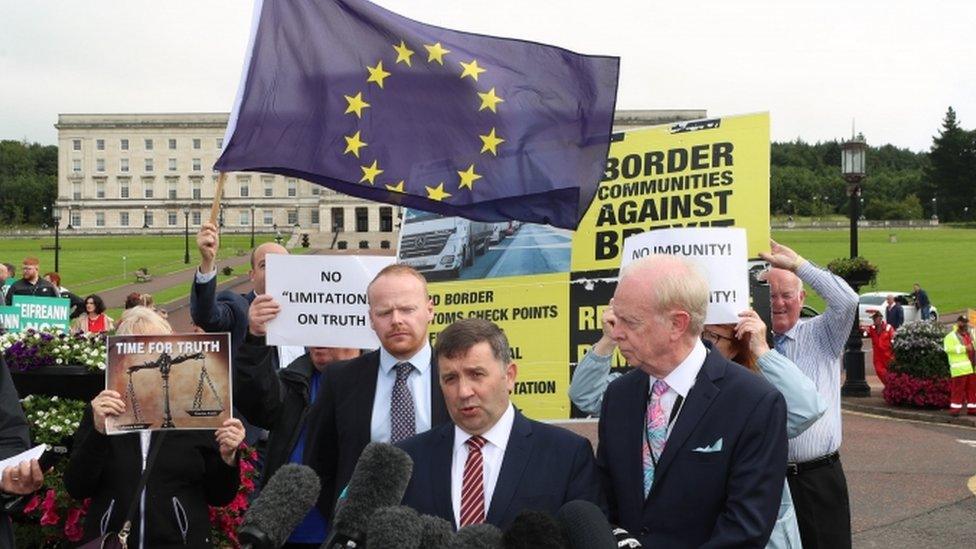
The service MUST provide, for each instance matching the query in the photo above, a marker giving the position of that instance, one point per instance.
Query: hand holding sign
(751, 328)
(107, 403)
(263, 309)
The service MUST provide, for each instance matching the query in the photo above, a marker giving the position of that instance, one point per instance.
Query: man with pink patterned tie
(492, 462)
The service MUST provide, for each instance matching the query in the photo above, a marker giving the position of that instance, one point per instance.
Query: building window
(385, 244)
(195, 186)
(124, 188)
(171, 187)
(293, 217)
(147, 187)
(362, 220)
(123, 164)
(124, 219)
(99, 164)
(292, 187)
(76, 144)
(172, 164)
(75, 218)
(76, 165)
(386, 219)
(171, 218)
(172, 144)
(100, 189)
(148, 218)
(245, 186)
(269, 217)
(245, 218)
(196, 143)
(76, 191)
(316, 190)
(363, 244)
(220, 143)
(124, 144)
(149, 165)
(99, 219)
(315, 216)
(196, 164)
(195, 217)
(100, 144)
(149, 144)
(338, 220)
(268, 186)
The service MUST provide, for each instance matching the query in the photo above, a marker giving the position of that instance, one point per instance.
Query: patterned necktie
(473, 485)
(657, 433)
(402, 414)
(779, 343)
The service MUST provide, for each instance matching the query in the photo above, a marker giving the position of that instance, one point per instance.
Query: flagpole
(218, 193)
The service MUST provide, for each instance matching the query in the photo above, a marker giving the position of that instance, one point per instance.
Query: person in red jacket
(881, 334)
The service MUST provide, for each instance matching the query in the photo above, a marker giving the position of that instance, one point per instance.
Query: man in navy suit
(491, 462)
(692, 446)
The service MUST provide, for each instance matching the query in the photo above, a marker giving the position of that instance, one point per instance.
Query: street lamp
(853, 155)
(252, 226)
(935, 208)
(69, 227)
(56, 215)
(221, 222)
(186, 235)
(145, 217)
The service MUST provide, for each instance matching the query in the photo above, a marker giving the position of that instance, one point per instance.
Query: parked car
(872, 302)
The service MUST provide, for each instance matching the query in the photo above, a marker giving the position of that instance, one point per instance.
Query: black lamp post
(221, 222)
(935, 208)
(186, 235)
(252, 226)
(69, 227)
(56, 215)
(853, 155)
(145, 217)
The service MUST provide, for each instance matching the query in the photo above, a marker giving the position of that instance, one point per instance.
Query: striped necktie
(473, 485)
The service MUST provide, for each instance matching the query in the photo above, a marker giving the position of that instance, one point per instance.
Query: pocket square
(715, 447)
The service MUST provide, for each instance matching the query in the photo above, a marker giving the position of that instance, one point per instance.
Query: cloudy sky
(893, 66)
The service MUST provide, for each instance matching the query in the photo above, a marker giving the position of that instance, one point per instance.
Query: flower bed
(30, 349)
(919, 375)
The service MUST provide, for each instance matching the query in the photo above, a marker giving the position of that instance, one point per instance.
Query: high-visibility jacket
(959, 363)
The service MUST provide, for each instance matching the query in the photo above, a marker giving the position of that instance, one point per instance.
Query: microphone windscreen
(284, 501)
(398, 526)
(437, 533)
(585, 527)
(478, 536)
(534, 530)
(379, 480)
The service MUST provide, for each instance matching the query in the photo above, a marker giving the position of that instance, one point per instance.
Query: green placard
(42, 312)
(10, 319)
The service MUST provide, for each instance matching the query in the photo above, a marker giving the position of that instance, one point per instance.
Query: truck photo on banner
(547, 288)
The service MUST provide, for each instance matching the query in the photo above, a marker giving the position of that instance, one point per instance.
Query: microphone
(379, 480)
(478, 536)
(585, 527)
(437, 533)
(534, 530)
(625, 540)
(398, 526)
(285, 500)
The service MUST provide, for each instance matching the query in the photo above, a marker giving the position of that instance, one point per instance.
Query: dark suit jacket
(544, 467)
(726, 498)
(895, 315)
(220, 312)
(341, 418)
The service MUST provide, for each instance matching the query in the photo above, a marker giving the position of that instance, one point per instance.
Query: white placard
(721, 252)
(323, 299)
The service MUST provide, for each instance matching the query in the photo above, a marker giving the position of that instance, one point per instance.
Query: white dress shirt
(419, 383)
(492, 453)
(680, 381)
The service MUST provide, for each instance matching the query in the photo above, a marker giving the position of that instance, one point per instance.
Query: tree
(28, 182)
(952, 165)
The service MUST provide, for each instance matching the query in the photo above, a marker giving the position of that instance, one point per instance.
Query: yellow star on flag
(370, 173)
(471, 69)
(468, 177)
(353, 144)
(356, 104)
(489, 100)
(377, 74)
(403, 53)
(436, 52)
(491, 142)
(398, 188)
(437, 193)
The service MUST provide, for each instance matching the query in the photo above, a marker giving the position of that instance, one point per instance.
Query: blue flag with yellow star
(348, 95)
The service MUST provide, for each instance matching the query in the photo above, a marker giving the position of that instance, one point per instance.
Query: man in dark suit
(894, 314)
(386, 395)
(503, 462)
(692, 446)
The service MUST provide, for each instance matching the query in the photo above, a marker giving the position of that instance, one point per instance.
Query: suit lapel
(438, 409)
(366, 385)
(513, 465)
(633, 425)
(440, 472)
(695, 406)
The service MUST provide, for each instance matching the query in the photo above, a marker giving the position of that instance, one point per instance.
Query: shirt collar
(420, 360)
(791, 333)
(682, 378)
(498, 434)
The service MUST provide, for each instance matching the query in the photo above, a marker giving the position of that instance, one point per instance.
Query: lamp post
(935, 208)
(853, 155)
(56, 215)
(221, 221)
(252, 226)
(69, 227)
(145, 217)
(186, 235)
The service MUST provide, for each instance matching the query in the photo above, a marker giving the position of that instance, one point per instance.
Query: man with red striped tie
(492, 462)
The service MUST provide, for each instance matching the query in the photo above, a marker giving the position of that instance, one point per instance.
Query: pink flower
(72, 526)
(33, 504)
(50, 507)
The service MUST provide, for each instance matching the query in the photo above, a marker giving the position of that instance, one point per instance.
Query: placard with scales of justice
(178, 381)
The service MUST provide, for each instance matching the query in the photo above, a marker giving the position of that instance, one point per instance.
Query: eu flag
(356, 98)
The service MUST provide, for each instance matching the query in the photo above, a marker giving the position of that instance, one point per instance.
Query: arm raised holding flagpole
(218, 193)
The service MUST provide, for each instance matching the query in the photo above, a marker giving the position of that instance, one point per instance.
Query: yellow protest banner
(706, 173)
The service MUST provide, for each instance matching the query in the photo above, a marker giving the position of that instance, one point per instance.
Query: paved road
(533, 249)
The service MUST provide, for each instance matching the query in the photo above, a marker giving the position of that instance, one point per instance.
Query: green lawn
(942, 260)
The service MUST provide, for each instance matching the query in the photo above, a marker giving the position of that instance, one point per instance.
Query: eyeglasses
(715, 337)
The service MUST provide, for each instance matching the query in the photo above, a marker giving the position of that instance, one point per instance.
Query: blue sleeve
(804, 405)
(590, 380)
(834, 325)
